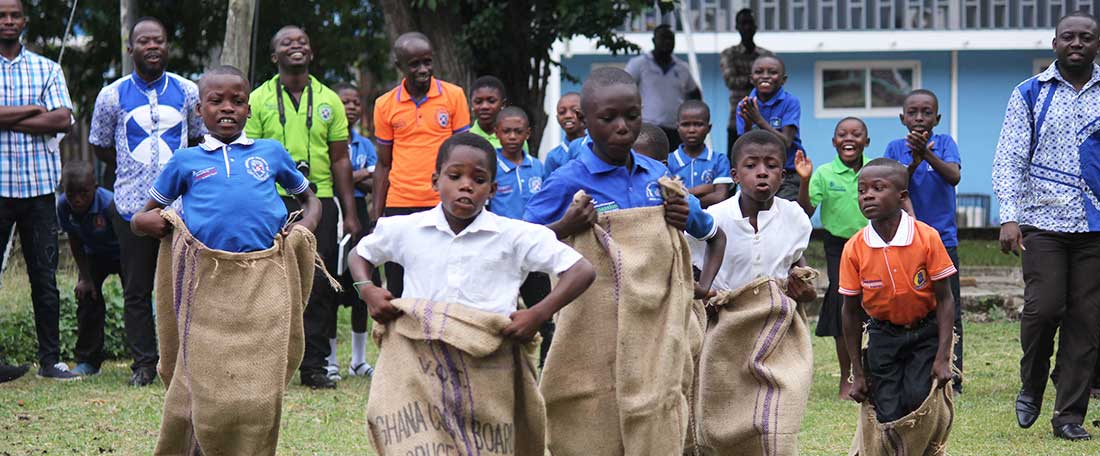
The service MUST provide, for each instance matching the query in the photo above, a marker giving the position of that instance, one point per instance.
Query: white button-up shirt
(482, 267)
(770, 251)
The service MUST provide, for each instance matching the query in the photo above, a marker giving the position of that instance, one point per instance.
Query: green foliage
(17, 335)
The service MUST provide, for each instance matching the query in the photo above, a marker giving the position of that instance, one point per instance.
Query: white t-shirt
(482, 267)
(662, 91)
(783, 236)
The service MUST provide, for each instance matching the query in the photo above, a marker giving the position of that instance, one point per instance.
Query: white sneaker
(333, 372)
(360, 370)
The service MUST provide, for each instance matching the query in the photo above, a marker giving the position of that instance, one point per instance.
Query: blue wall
(986, 78)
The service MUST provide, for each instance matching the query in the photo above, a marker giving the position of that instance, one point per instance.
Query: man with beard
(139, 120)
(299, 111)
(34, 106)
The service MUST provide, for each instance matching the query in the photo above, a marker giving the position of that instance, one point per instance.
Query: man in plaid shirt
(736, 62)
(34, 107)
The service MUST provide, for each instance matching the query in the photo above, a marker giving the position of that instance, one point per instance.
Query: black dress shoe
(1027, 408)
(143, 376)
(1071, 432)
(318, 380)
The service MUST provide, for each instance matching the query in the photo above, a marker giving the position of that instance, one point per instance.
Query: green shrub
(17, 336)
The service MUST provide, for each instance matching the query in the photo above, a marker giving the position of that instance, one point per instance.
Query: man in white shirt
(664, 82)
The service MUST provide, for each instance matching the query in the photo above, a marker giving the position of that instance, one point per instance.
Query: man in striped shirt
(34, 106)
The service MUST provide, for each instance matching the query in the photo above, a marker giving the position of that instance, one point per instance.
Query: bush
(18, 343)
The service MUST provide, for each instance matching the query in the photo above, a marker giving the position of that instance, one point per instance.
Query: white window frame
(1040, 65)
(820, 111)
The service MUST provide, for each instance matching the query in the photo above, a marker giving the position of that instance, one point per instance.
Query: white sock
(331, 359)
(358, 348)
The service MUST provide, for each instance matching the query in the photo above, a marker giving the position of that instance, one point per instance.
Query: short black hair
(605, 77)
(759, 137)
(772, 56)
(406, 38)
(897, 173)
(1078, 13)
(916, 92)
(344, 86)
(570, 94)
(693, 105)
(662, 28)
(742, 12)
(285, 27)
(513, 111)
(857, 119)
(470, 140)
(75, 172)
(222, 70)
(652, 138)
(130, 37)
(489, 82)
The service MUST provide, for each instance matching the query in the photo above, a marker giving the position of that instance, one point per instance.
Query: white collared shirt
(783, 235)
(902, 237)
(482, 267)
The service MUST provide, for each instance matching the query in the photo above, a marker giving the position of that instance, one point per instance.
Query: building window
(863, 88)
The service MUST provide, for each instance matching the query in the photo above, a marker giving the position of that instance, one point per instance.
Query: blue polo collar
(682, 158)
(508, 166)
(597, 166)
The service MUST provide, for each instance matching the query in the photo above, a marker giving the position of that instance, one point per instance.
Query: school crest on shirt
(775, 122)
(443, 117)
(99, 222)
(920, 279)
(535, 184)
(257, 167)
(653, 191)
(708, 176)
(325, 111)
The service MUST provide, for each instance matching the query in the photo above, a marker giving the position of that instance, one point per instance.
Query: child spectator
(571, 123)
(652, 142)
(895, 268)
(934, 171)
(363, 157)
(771, 108)
(84, 212)
(832, 187)
(705, 173)
(487, 98)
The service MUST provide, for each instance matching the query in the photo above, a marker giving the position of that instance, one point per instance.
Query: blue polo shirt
(93, 228)
(562, 154)
(229, 198)
(611, 188)
(783, 109)
(362, 154)
(933, 198)
(707, 168)
(515, 185)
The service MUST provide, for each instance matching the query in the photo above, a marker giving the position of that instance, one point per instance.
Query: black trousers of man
(139, 270)
(1061, 296)
(533, 290)
(319, 320)
(36, 220)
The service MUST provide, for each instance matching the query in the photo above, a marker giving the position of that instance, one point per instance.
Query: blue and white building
(859, 57)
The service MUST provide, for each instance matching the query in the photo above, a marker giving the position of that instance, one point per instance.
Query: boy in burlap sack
(456, 372)
(231, 283)
(896, 268)
(615, 380)
(757, 345)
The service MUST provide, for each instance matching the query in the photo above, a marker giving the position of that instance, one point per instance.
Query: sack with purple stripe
(923, 432)
(230, 331)
(446, 382)
(619, 365)
(755, 372)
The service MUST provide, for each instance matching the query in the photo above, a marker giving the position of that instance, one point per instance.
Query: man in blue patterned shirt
(34, 106)
(139, 121)
(1046, 174)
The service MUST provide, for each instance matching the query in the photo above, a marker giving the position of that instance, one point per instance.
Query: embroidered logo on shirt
(204, 173)
(920, 279)
(325, 111)
(535, 184)
(653, 191)
(708, 176)
(835, 187)
(443, 117)
(606, 207)
(504, 189)
(99, 222)
(776, 121)
(257, 167)
(872, 284)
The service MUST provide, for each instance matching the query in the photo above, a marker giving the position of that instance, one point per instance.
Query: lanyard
(309, 115)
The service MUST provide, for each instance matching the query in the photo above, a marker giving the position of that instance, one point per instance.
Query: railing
(858, 15)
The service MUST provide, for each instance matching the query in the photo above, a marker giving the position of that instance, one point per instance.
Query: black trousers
(139, 269)
(349, 297)
(91, 312)
(36, 220)
(1061, 296)
(395, 273)
(674, 140)
(956, 289)
(319, 318)
(533, 290)
(899, 365)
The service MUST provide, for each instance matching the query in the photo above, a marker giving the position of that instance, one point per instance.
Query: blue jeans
(36, 220)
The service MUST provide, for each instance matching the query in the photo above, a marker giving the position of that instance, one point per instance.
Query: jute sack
(230, 331)
(755, 372)
(447, 383)
(696, 327)
(923, 431)
(614, 377)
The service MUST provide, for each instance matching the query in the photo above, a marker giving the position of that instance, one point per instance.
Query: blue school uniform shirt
(707, 168)
(516, 185)
(228, 191)
(564, 153)
(781, 110)
(612, 188)
(933, 198)
(362, 154)
(93, 228)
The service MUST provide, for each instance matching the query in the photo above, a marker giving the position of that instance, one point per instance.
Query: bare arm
(341, 182)
(311, 210)
(798, 289)
(362, 180)
(10, 115)
(377, 299)
(951, 172)
(579, 217)
(716, 195)
(571, 284)
(853, 336)
(945, 323)
(57, 121)
(381, 179)
(148, 222)
(712, 261)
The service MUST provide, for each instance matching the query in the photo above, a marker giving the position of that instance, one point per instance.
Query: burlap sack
(447, 383)
(614, 380)
(923, 431)
(755, 372)
(696, 327)
(230, 331)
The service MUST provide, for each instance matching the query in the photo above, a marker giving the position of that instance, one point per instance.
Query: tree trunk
(450, 59)
(127, 12)
(236, 50)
